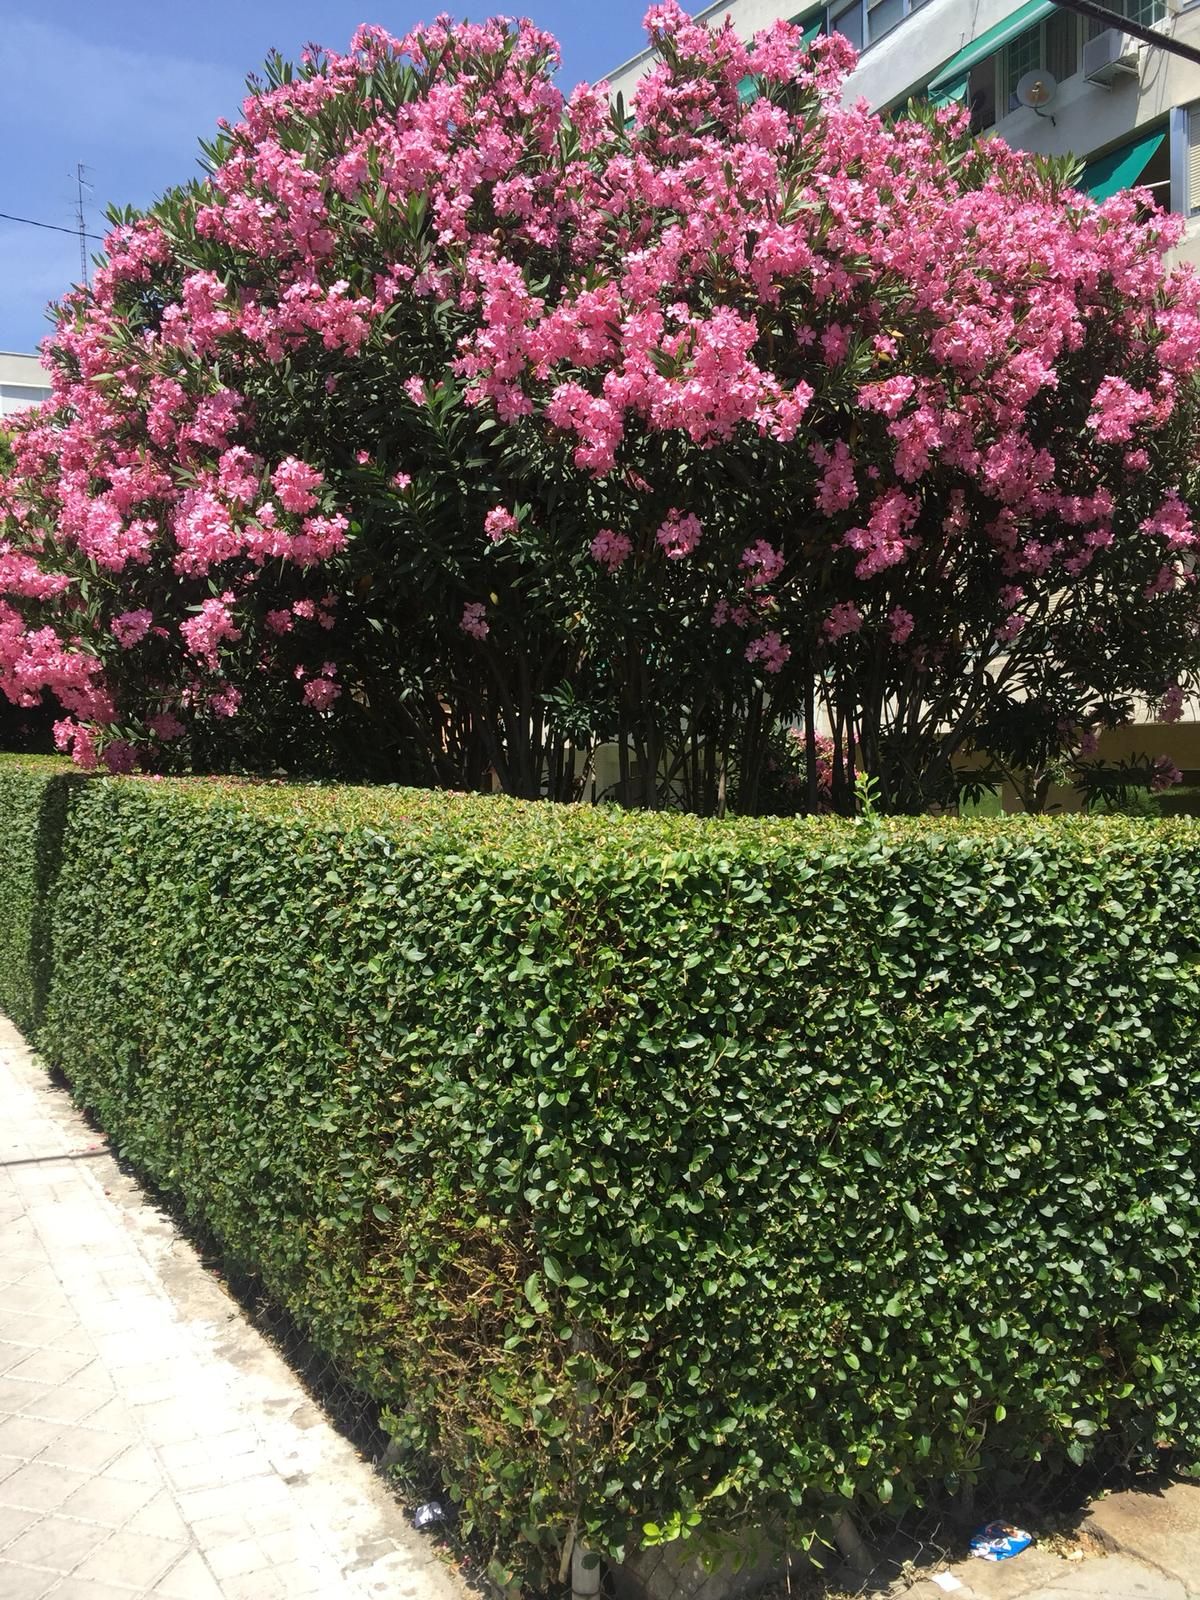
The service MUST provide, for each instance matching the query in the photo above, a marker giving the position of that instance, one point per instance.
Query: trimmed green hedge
(657, 1171)
(33, 792)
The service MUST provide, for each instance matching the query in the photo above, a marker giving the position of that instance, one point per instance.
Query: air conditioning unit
(1109, 56)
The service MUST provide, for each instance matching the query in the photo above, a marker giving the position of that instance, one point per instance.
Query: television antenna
(81, 183)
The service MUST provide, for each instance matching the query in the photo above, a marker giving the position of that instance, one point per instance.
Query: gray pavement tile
(65, 1402)
(39, 1486)
(27, 1436)
(113, 1503)
(159, 1516)
(14, 1520)
(190, 1579)
(136, 1559)
(85, 1449)
(16, 1395)
(25, 1583)
(43, 1366)
(57, 1543)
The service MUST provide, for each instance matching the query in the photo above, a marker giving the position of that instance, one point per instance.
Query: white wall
(23, 382)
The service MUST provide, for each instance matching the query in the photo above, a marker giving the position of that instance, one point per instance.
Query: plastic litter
(947, 1581)
(431, 1515)
(999, 1541)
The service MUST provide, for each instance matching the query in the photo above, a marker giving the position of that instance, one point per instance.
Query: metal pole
(80, 221)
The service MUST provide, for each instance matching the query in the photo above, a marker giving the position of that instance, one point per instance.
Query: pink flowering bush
(450, 427)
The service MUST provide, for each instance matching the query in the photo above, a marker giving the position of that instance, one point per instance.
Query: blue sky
(128, 86)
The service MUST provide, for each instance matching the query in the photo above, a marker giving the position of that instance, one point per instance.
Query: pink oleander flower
(1117, 409)
(499, 523)
(166, 726)
(294, 483)
(213, 626)
(842, 619)
(131, 627)
(610, 549)
(119, 756)
(76, 740)
(770, 650)
(1170, 707)
(225, 701)
(474, 620)
(901, 624)
(321, 692)
(1165, 775)
(763, 562)
(401, 481)
(679, 535)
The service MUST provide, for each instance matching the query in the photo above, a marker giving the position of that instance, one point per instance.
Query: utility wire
(1114, 19)
(53, 226)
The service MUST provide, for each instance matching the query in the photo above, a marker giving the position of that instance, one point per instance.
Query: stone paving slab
(152, 1443)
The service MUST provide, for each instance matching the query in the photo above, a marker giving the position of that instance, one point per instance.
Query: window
(1023, 55)
(18, 396)
(981, 95)
(1148, 12)
(1193, 161)
(849, 23)
(1061, 45)
(882, 16)
(865, 21)
(1052, 46)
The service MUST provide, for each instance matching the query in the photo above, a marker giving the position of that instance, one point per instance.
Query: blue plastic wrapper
(999, 1541)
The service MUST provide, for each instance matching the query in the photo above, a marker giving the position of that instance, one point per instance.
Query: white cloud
(103, 96)
(133, 116)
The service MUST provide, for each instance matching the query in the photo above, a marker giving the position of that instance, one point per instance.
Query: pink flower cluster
(679, 534)
(898, 377)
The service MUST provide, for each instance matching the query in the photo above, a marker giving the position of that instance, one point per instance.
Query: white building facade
(1131, 110)
(23, 382)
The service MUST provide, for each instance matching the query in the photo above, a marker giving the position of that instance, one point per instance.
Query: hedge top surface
(545, 829)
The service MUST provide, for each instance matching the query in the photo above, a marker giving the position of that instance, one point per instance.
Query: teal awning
(950, 80)
(1120, 169)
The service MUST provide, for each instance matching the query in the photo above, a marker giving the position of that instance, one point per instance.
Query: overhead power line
(52, 226)
(1114, 19)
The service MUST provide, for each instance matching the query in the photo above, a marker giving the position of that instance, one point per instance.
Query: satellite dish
(1036, 89)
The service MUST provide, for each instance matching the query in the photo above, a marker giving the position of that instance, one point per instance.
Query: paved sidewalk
(151, 1442)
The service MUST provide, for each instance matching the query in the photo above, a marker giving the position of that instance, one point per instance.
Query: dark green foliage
(657, 1171)
(1180, 802)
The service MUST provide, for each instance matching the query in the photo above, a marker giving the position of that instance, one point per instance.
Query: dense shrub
(450, 427)
(655, 1171)
(33, 794)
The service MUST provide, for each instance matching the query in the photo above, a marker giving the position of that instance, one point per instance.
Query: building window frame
(1184, 133)
(1007, 79)
(864, 9)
